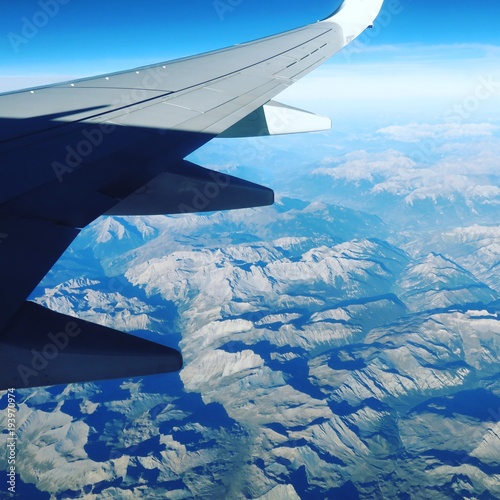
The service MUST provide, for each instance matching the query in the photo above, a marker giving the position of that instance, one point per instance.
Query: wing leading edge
(116, 144)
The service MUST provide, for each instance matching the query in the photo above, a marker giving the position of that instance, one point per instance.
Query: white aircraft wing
(115, 144)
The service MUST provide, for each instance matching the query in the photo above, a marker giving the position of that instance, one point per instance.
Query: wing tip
(356, 12)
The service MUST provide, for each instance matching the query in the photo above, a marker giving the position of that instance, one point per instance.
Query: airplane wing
(115, 144)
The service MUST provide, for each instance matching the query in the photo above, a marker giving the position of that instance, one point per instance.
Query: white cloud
(415, 132)
(361, 165)
(443, 171)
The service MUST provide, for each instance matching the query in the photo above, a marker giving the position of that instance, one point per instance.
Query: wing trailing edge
(41, 347)
(189, 188)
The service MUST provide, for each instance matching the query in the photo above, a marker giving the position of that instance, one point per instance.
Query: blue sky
(77, 34)
(425, 53)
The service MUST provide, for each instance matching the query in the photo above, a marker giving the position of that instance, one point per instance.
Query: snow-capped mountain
(435, 282)
(325, 364)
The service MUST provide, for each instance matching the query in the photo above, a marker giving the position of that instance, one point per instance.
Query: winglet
(355, 15)
(275, 118)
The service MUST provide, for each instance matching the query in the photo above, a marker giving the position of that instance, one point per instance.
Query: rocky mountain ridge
(315, 365)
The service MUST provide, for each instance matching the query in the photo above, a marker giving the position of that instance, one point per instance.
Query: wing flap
(190, 188)
(41, 347)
